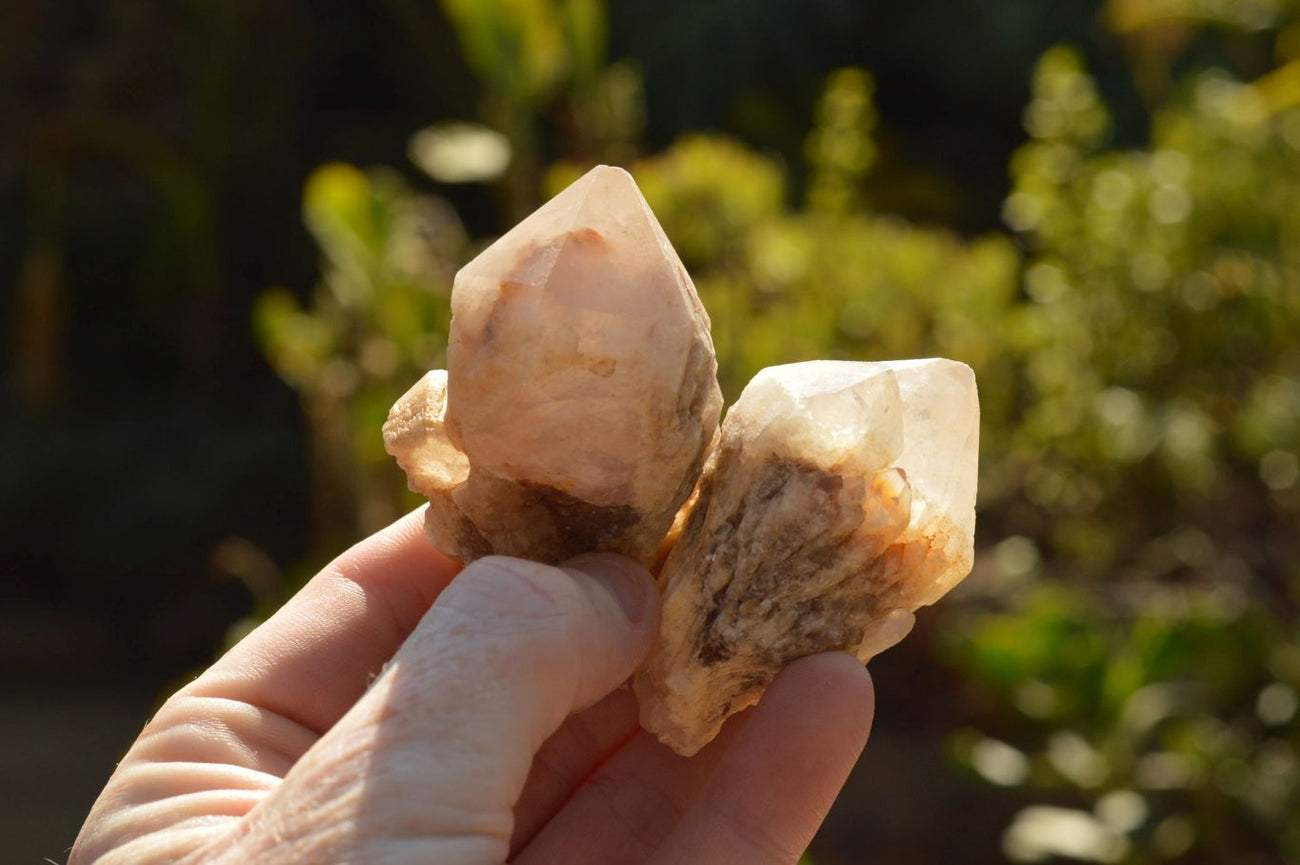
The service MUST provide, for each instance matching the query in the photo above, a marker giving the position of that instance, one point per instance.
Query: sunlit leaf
(460, 152)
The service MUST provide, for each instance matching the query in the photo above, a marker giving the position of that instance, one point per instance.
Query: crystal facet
(581, 393)
(577, 412)
(839, 500)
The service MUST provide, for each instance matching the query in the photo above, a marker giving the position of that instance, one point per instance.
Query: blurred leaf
(517, 46)
(296, 344)
(460, 152)
(585, 26)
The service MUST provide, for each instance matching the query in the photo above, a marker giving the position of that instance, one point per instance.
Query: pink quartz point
(580, 397)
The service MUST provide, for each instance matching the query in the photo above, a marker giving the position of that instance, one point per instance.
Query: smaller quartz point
(416, 436)
(581, 394)
(839, 499)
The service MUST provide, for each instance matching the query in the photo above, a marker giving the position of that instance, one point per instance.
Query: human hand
(366, 723)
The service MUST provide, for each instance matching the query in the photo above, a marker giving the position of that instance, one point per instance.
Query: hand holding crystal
(390, 714)
(580, 411)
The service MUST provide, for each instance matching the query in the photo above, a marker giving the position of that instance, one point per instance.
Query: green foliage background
(1125, 659)
(1134, 335)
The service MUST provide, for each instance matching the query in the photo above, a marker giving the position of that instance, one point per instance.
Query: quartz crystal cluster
(840, 498)
(581, 393)
(578, 410)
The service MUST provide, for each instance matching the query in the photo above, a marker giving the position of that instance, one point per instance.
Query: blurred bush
(1128, 641)
(375, 322)
(1151, 670)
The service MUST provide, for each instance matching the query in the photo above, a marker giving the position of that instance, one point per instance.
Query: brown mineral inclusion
(577, 412)
(839, 500)
(581, 392)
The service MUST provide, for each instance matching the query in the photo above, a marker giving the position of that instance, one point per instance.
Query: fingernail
(623, 578)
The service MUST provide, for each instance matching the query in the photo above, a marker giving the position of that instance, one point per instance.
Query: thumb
(429, 764)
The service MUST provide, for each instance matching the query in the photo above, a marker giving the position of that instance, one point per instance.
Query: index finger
(315, 657)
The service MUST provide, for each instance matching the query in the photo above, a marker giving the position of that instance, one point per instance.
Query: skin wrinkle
(170, 845)
(396, 708)
(574, 754)
(192, 726)
(543, 603)
(610, 789)
(182, 811)
(319, 823)
(566, 679)
(146, 782)
(629, 804)
(538, 596)
(244, 687)
(753, 833)
(440, 812)
(408, 727)
(312, 630)
(336, 759)
(480, 683)
(267, 825)
(383, 717)
(199, 741)
(359, 743)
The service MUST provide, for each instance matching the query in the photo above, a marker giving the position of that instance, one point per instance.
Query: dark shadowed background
(227, 234)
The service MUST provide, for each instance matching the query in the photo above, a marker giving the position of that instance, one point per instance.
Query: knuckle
(500, 587)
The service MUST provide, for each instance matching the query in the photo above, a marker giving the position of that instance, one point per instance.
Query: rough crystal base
(840, 499)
